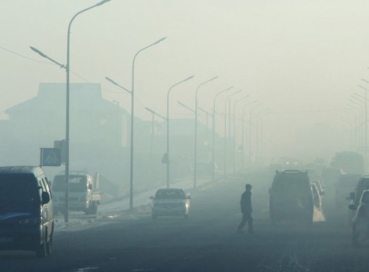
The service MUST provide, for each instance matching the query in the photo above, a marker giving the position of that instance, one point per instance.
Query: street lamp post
(67, 68)
(168, 156)
(186, 107)
(213, 127)
(116, 84)
(195, 144)
(365, 125)
(356, 126)
(234, 131)
(357, 113)
(250, 134)
(243, 132)
(225, 132)
(153, 113)
(259, 128)
(132, 122)
(207, 114)
(357, 106)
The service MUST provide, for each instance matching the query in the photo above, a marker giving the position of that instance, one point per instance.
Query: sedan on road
(170, 202)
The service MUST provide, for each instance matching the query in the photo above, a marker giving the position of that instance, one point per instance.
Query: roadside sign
(50, 157)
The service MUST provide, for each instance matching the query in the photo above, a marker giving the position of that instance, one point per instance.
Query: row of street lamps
(358, 106)
(168, 118)
(132, 136)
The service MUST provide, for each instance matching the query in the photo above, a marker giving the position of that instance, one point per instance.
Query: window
(170, 194)
(19, 188)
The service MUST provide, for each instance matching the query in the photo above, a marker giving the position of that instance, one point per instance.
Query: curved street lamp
(250, 126)
(213, 142)
(66, 214)
(234, 131)
(153, 114)
(195, 145)
(118, 85)
(243, 131)
(259, 131)
(132, 122)
(225, 132)
(168, 157)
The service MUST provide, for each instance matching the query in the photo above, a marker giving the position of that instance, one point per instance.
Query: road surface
(207, 241)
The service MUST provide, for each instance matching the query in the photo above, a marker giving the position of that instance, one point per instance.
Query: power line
(48, 63)
(19, 55)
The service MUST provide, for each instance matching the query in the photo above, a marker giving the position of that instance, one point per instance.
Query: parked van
(26, 210)
(83, 193)
(291, 197)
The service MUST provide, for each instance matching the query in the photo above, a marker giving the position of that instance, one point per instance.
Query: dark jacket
(246, 205)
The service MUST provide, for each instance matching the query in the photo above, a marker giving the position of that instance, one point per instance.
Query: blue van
(26, 210)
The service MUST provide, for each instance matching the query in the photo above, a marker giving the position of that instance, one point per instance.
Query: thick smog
(184, 136)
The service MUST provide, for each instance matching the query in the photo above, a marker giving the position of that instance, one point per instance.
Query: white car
(316, 196)
(170, 202)
(360, 222)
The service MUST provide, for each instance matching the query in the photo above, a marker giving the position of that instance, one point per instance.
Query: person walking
(246, 209)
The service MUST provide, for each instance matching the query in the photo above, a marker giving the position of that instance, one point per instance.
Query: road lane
(207, 241)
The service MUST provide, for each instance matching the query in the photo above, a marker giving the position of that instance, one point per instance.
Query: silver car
(170, 202)
(360, 222)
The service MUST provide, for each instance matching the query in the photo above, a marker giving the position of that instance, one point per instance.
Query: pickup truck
(83, 192)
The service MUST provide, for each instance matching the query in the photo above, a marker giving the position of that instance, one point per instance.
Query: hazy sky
(302, 59)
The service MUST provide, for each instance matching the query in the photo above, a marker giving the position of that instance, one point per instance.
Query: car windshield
(19, 188)
(170, 194)
(77, 183)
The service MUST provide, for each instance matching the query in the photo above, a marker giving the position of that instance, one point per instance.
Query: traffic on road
(290, 231)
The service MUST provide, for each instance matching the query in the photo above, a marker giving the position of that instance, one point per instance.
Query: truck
(82, 191)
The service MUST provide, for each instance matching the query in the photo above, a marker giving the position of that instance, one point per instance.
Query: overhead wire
(74, 73)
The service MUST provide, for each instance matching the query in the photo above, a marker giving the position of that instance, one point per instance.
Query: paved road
(207, 241)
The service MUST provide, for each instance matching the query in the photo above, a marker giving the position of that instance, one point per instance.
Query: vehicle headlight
(30, 221)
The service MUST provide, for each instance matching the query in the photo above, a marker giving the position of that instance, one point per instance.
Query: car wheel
(49, 245)
(41, 250)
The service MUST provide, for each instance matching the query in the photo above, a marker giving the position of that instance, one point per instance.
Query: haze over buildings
(301, 59)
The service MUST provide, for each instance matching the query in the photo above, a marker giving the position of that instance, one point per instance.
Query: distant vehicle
(310, 166)
(320, 187)
(275, 167)
(350, 162)
(331, 175)
(26, 213)
(83, 193)
(291, 197)
(170, 202)
(313, 173)
(320, 164)
(345, 184)
(362, 184)
(316, 196)
(360, 222)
